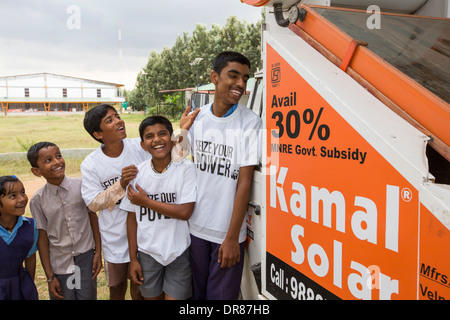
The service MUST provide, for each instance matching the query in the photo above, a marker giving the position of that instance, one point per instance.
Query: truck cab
(352, 197)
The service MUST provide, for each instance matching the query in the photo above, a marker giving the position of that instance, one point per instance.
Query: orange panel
(256, 3)
(434, 276)
(336, 207)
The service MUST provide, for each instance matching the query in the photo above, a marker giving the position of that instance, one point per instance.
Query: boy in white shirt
(159, 202)
(226, 146)
(106, 173)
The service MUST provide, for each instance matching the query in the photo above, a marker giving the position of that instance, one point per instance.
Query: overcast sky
(81, 38)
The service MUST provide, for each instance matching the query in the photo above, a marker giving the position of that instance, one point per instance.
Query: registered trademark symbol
(406, 195)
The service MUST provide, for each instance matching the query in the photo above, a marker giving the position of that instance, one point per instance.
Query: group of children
(173, 226)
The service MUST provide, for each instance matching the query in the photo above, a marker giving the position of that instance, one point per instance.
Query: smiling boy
(106, 173)
(68, 232)
(225, 140)
(159, 202)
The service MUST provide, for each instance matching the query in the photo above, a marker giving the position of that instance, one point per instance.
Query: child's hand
(55, 289)
(137, 197)
(96, 264)
(229, 253)
(136, 272)
(187, 119)
(128, 174)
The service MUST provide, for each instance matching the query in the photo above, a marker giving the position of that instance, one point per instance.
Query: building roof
(61, 100)
(11, 95)
(33, 75)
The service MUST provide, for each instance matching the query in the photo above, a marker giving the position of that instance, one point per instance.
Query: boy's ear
(98, 135)
(214, 76)
(36, 172)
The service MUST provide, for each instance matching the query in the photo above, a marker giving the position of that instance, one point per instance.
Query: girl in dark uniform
(18, 243)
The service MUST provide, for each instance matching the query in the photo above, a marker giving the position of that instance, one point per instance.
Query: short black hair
(3, 181)
(93, 119)
(225, 57)
(33, 152)
(152, 120)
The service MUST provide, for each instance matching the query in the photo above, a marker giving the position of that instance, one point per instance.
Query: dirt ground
(32, 185)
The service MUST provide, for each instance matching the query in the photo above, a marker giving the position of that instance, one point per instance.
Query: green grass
(18, 133)
(22, 169)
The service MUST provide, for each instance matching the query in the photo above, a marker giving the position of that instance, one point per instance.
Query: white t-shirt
(220, 146)
(99, 172)
(159, 236)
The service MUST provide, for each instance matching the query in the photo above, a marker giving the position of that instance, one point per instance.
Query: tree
(170, 69)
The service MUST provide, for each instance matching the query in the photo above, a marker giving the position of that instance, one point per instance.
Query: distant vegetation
(171, 68)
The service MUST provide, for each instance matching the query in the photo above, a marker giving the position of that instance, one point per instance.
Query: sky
(81, 38)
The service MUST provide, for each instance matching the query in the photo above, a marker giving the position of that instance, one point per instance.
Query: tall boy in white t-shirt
(225, 143)
(106, 173)
(159, 202)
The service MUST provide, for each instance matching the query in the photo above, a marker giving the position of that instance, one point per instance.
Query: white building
(54, 92)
